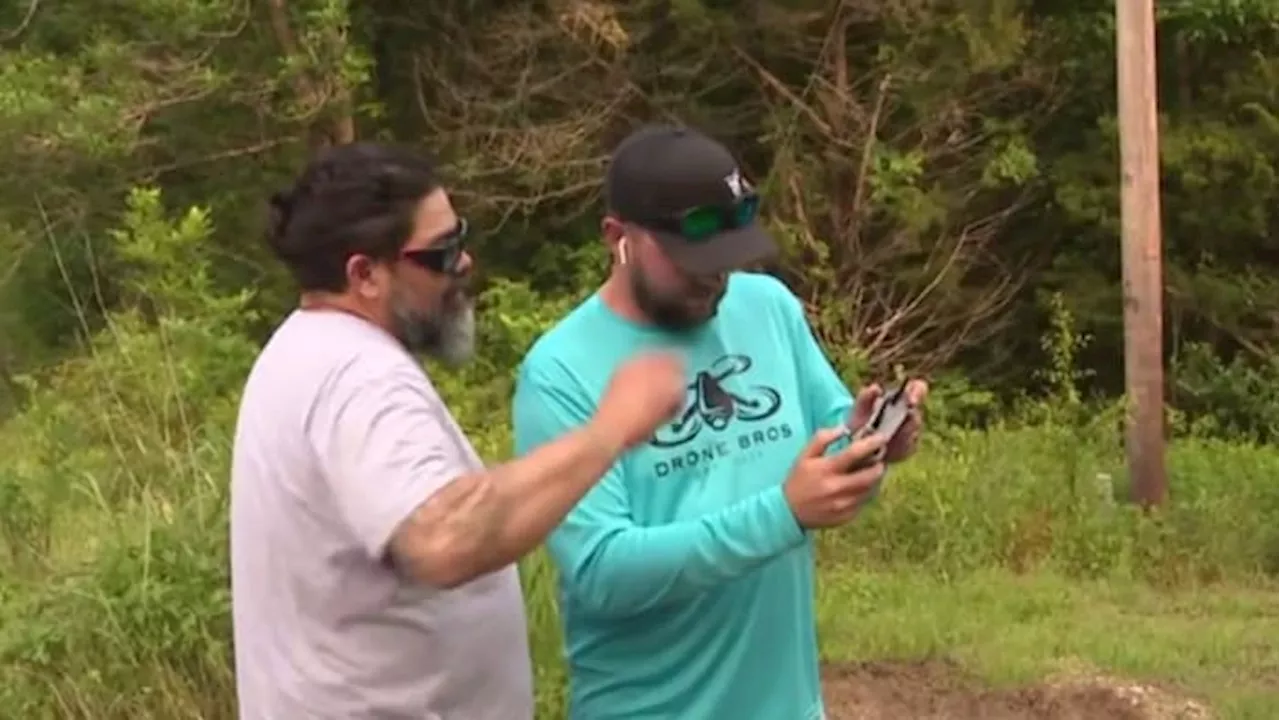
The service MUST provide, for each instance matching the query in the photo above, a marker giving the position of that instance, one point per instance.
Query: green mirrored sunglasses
(704, 222)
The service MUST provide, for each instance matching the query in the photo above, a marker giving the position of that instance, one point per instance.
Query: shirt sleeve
(384, 447)
(613, 567)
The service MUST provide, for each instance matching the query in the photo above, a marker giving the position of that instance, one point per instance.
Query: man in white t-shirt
(371, 551)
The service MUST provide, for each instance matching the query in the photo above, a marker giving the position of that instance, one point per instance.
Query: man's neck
(616, 294)
(332, 302)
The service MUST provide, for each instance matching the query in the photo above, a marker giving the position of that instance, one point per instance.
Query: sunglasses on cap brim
(444, 254)
(701, 223)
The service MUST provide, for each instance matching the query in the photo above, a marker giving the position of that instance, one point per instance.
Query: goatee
(449, 335)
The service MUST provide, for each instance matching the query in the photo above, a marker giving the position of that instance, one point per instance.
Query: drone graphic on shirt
(710, 405)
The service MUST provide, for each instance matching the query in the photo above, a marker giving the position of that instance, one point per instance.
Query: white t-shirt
(340, 437)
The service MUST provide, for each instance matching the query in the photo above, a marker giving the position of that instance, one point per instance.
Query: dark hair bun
(359, 198)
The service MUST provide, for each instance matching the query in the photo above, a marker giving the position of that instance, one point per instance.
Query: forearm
(626, 570)
(481, 522)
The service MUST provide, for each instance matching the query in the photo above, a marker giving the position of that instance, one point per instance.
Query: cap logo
(738, 185)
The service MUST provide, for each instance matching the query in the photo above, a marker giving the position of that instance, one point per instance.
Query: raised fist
(644, 392)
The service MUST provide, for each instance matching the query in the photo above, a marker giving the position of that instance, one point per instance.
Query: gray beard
(449, 337)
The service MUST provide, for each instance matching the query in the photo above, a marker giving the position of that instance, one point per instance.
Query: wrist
(790, 504)
(604, 439)
(788, 524)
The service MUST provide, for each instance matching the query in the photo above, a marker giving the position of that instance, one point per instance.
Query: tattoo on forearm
(463, 522)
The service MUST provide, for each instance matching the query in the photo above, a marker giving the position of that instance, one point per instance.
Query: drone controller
(888, 414)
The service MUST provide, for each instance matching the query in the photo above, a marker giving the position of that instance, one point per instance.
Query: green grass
(1002, 550)
(1215, 643)
(1005, 552)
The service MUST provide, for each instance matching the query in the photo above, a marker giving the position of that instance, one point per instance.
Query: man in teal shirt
(687, 573)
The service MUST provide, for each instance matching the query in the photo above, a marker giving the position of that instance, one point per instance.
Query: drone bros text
(742, 447)
(726, 418)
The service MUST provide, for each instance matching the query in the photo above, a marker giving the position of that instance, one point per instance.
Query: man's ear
(360, 276)
(615, 238)
(612, 230)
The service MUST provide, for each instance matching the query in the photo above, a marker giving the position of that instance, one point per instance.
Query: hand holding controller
(893, 413)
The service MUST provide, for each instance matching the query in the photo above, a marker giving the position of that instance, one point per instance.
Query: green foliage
(1045, 498)
(192, 95)
(113, 484)
(940, 173)
(511, 316)
(1217, 399)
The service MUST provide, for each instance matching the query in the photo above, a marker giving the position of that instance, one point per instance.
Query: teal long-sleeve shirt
(686, 585)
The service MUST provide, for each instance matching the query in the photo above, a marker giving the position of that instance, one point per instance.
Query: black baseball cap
(660, 172)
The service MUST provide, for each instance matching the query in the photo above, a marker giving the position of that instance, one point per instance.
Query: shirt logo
(709, 405)
(726, 415)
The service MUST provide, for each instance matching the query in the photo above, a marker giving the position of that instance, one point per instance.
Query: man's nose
(465, 264)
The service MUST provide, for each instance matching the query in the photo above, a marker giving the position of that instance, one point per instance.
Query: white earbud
(622, 251)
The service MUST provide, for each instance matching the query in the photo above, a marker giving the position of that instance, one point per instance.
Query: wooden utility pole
(1142, 254)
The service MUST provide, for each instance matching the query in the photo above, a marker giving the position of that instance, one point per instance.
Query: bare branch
(229, 154)
(22, 24)
(917, 289)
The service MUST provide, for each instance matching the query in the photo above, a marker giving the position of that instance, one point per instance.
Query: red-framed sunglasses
(444, 254)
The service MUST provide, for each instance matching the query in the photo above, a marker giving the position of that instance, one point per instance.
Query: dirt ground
(938, 691)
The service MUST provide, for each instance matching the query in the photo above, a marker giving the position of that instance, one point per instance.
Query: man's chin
(684, 319)
(455, 344)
